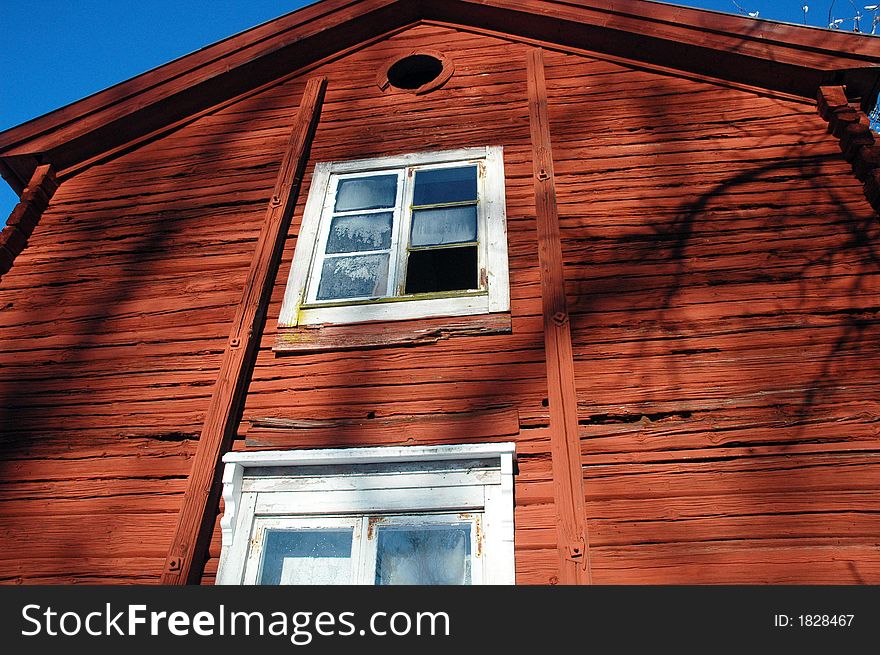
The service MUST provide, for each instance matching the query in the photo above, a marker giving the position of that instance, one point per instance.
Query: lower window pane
(306, 557)
(443, 269)
(360, 276)
(430, 555)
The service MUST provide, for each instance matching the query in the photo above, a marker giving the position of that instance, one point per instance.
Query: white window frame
(300, 306)
(395, 485)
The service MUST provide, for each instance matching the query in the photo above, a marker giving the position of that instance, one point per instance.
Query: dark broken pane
(444, 269)
(360, 232)
(360, 276)
(306, 557)
(373, 192)
(439, 185)
(431, 555)
(434, 227)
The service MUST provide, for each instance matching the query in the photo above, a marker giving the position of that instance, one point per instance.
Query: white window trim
(492, 219)
(420, 490)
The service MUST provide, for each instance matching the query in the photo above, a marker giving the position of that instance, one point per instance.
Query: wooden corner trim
(26, 214)
(852, 127)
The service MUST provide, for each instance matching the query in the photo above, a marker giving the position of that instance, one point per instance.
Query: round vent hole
(415, 71)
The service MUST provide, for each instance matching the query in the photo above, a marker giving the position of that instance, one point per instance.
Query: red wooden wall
(722, 278)
(112, 326)
(483, 104)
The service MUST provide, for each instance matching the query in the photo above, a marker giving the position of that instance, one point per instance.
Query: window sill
(381, 334)
(403, 308)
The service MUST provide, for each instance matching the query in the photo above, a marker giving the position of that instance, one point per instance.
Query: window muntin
(388, 515)
(423, 234)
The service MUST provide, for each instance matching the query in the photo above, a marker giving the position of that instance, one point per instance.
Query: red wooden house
(452, 291)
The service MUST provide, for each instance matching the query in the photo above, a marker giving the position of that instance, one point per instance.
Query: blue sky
(58, 51)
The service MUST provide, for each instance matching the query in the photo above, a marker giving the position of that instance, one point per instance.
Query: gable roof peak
(775, 56)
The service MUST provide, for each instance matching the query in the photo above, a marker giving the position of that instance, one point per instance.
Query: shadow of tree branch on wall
(122, 307)
(722, 276)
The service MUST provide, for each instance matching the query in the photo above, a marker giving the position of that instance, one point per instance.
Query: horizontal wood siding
(112, 324)
(484, 103)
(722, 277)
(115, 317)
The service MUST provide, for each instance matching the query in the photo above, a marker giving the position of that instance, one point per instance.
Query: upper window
(389, 515)
(413, 236)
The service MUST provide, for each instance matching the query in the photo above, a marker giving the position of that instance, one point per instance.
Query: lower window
(438, 515)
(406, 549)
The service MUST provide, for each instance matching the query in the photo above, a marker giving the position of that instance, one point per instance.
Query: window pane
(306, 557)
(444, 269)
(445, 185)
(366, 193)
(424, 555)
(434, 227)
(360, 232)
(360, 276)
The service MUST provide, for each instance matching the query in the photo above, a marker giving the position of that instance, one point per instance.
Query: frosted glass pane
(445, 185)
(360, 276)
(306, 557)
(371, 192)
(360, 232)
(434, 227)
(424, 555)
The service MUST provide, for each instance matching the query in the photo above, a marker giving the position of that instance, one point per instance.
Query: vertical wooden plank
(572, 541)
(196, 518)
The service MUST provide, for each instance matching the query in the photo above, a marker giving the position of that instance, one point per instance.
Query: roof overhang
(778, 57)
